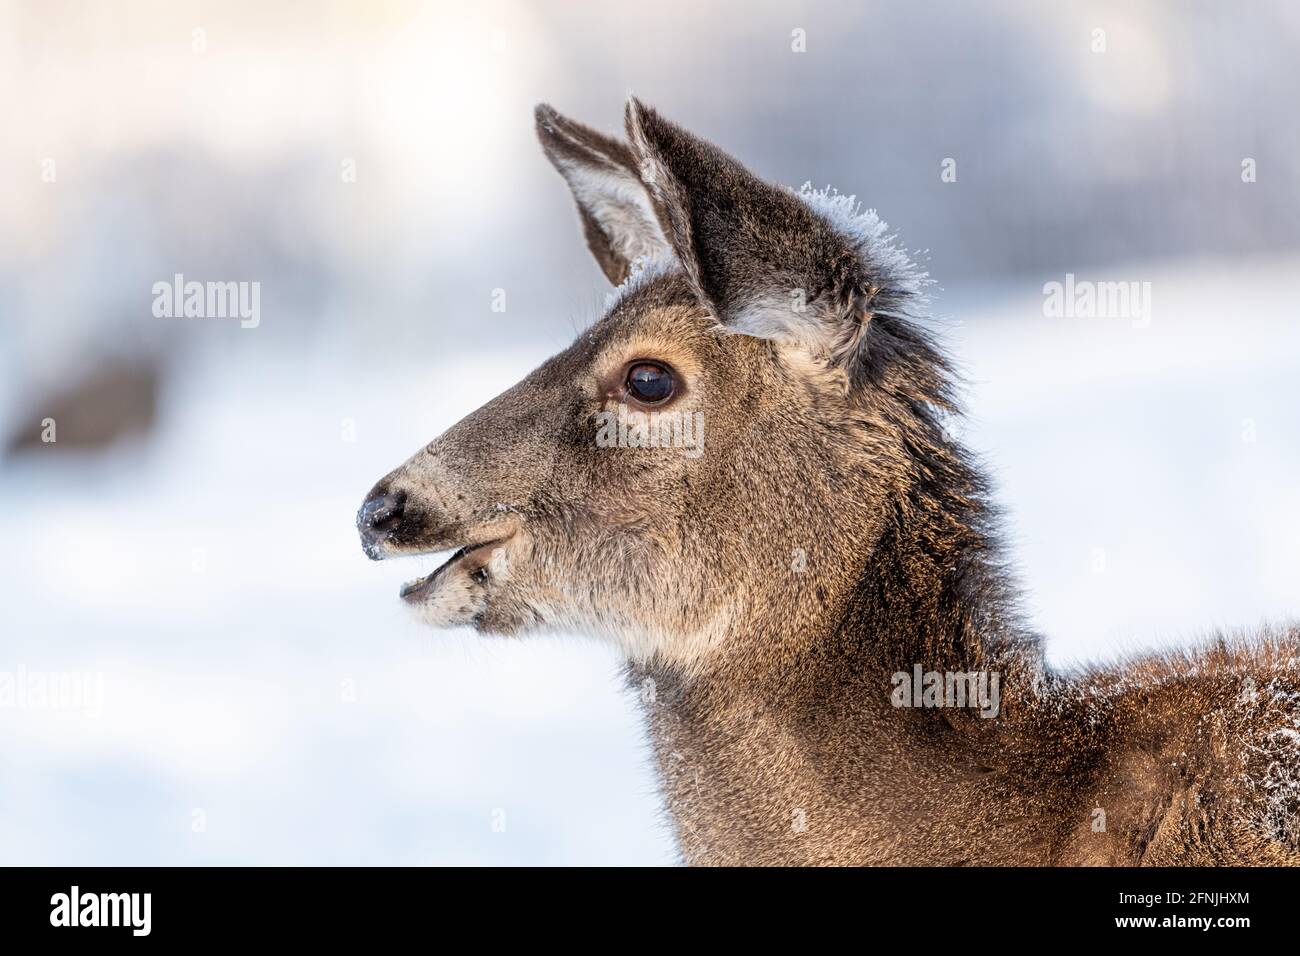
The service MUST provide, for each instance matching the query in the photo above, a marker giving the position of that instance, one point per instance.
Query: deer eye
(649, 382)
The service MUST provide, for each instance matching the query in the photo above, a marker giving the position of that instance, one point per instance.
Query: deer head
(720, 452)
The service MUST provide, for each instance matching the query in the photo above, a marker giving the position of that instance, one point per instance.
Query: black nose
(379, 516)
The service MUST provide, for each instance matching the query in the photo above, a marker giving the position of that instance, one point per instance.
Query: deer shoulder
(1203, 766)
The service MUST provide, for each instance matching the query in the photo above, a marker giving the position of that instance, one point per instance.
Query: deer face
(730, 417)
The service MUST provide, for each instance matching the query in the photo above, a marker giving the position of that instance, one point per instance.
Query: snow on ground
(265, 699)
(1151, 475)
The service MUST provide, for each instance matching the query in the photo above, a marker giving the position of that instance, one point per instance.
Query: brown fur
(828, 537)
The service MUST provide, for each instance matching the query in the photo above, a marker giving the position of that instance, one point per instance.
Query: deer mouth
(478, 563)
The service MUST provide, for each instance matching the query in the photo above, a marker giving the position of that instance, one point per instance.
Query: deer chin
(456, 594)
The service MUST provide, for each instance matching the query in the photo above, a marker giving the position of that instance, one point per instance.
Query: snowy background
(265, 698)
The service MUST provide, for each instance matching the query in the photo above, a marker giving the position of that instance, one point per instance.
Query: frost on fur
(876, 247)
(641, 271)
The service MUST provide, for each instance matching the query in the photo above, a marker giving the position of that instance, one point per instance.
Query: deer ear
(761, 260)
(602, 173)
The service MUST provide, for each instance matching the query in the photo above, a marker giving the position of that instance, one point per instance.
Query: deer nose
(380, 514)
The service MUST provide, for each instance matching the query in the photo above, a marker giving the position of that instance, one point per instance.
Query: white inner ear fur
(791, 320)
(619, 203)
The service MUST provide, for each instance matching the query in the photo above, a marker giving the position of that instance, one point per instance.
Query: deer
(809, 593)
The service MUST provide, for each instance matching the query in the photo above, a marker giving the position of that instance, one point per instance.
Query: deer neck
(789, 746)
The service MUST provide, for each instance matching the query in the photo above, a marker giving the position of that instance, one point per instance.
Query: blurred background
(255, 693)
